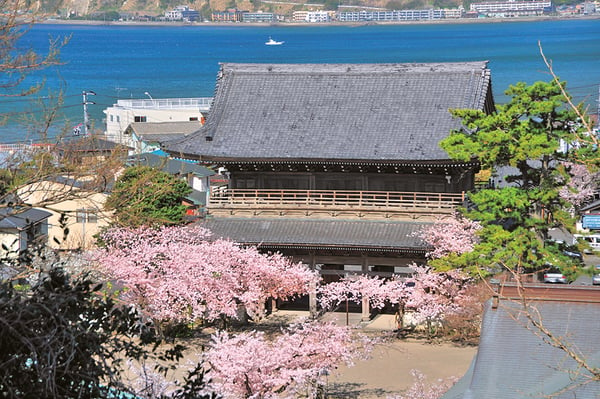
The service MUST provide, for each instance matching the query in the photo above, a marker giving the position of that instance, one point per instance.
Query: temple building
(336, 165)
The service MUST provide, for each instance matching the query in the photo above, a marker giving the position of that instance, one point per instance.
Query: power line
(25, 112)
(8, 100)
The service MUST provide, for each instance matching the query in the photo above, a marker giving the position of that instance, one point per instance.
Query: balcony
(327, 203)
(201, 103)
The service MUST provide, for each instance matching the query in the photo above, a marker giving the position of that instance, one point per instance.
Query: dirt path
(388, 372)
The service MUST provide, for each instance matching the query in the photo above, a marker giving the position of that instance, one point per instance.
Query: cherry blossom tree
(435, 295)
(429, 295)
(356, 287)
(455, 234)
(178, 274)
(290, 365)
(422, 390)
(580, 186)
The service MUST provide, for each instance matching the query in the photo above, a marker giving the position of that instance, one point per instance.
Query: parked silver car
(596, 276)
(553, 275)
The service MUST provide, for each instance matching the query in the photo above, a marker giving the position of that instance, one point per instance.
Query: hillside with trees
(111, 8)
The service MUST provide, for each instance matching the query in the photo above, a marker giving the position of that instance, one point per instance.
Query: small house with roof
(76, 206)
(148, 136)
(336, 165)
(21, 228)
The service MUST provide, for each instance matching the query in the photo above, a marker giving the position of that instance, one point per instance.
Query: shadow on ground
(349, 390)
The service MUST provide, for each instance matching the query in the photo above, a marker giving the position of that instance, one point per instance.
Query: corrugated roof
(336, 111)
(314, 233)
(513, 362)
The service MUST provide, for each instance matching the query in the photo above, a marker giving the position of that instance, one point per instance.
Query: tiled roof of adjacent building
(377, 235)
(163, 131)
(21, 218)
(385, 112)
(516, 361)
(169, 165)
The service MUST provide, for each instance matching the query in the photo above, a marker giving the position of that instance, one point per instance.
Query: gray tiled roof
(592, 206)
(336, 111)
(91, 143)
(21, 218)
(512, 362)
(163, 131)
(315, 233)
(169, 165)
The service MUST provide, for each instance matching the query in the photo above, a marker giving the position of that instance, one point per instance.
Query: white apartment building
(125, 112)
(182, 13)
(299, 16)
(454, 12)
(318, 16)
(511, 8)
(393, 15)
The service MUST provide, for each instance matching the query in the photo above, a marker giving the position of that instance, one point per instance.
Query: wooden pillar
(312, 294)
(365, 264)
(274, 305)
(366, 311)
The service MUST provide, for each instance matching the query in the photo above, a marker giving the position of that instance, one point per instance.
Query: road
(591, 261)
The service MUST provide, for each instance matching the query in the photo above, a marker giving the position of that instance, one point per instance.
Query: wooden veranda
(328, 203)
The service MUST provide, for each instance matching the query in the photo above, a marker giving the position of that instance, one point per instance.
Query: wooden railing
(368, 201)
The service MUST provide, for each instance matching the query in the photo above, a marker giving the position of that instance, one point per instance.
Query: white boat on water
(272, 42)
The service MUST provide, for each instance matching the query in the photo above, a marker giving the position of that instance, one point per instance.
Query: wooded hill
(83, 8)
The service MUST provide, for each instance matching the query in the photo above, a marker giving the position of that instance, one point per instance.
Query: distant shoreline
(334, 23)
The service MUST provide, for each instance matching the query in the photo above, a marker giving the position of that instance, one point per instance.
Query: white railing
(25, 147)
(202, 103)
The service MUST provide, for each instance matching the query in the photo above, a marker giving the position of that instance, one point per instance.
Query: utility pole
(598, 110)
(86, 118)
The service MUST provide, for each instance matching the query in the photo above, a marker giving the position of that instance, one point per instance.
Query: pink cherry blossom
(423, 390)
(455, 234)
(580, 187)
(290, 365)
(177, 274)
(427, 294)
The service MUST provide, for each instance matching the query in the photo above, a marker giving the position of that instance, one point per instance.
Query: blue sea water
(119, 62)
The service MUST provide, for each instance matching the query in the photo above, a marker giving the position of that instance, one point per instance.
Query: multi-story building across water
(125, 112)
(511, 8)
(182, 13)
(397, 15)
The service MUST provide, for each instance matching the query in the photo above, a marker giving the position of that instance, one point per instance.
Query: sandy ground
(388, 371)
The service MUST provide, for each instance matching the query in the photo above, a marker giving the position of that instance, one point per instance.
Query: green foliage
(206, 11)
(58, 341)
(331, 5)
(144, 196)
(415, 5)
(529, 127)
(524, 134)
(445, 4)
(66, 339)
(106, 16)
(394, 5)
(411, 4)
